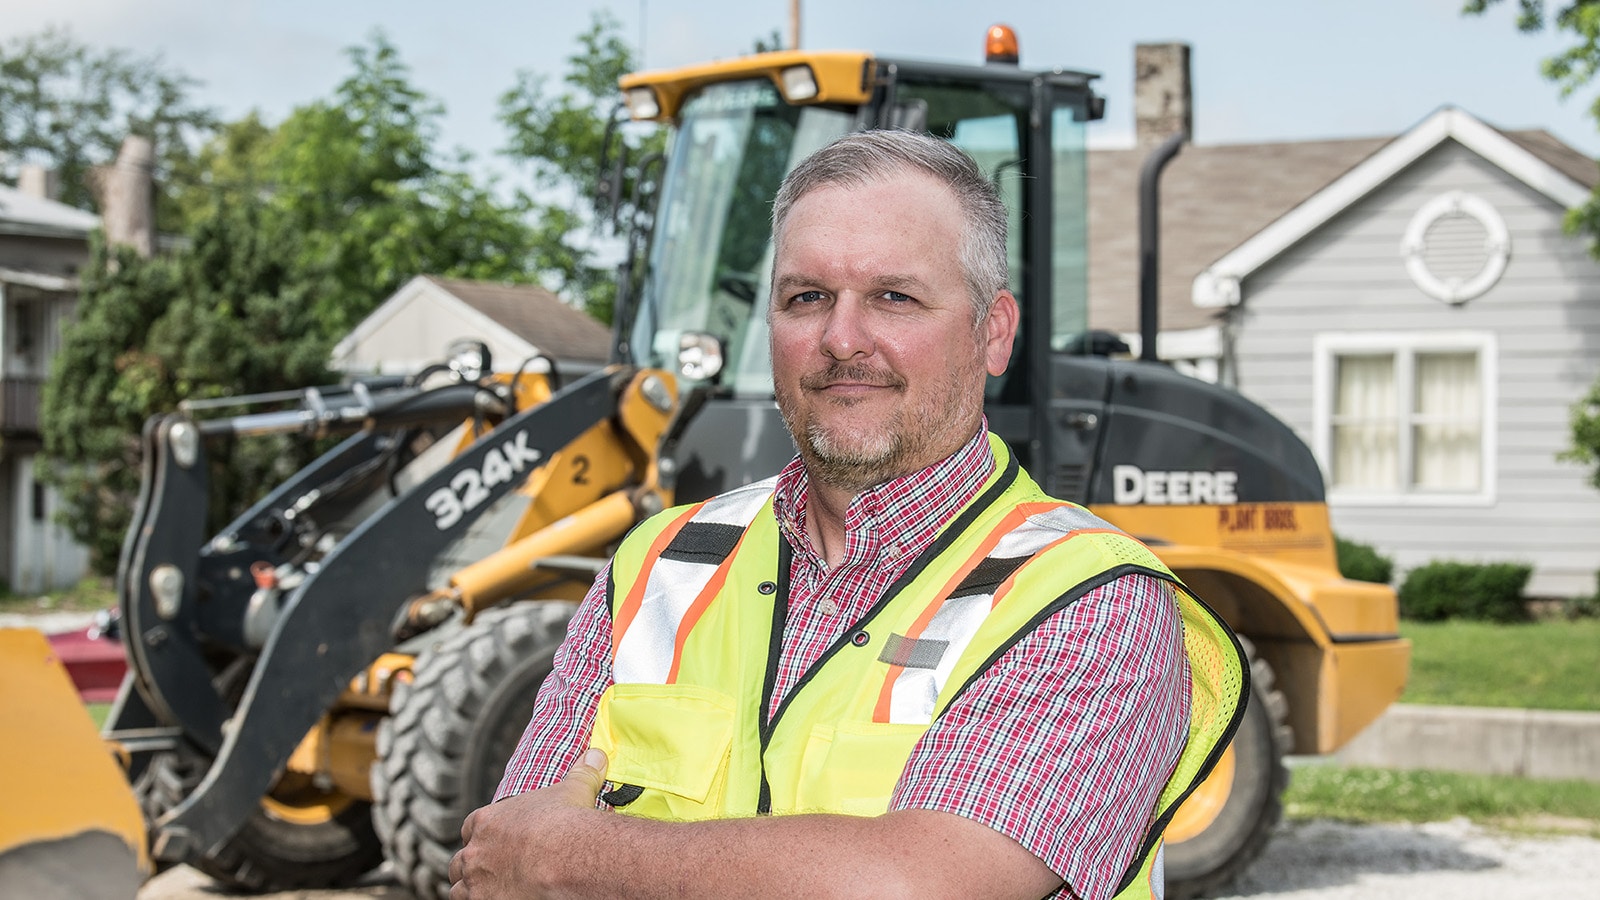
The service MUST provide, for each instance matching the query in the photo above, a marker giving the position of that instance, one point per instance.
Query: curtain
(1366, 434)
(1446, 424)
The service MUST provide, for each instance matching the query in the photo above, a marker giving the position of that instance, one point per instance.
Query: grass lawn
(1359, 794)
(1551, 664)
(90, 594)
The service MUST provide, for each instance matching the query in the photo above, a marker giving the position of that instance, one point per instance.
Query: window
(1406, 418)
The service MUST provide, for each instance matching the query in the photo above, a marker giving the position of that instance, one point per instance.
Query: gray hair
(867, 156)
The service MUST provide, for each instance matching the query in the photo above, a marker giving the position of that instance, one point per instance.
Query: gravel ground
(1321, 860)
(1306, 861)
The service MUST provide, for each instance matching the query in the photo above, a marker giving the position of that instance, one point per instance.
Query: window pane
(1447, 439)
(1365, 424)
(1070, 305)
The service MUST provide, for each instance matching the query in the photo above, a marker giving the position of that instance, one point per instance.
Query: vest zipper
(780, 616)
(952, 532)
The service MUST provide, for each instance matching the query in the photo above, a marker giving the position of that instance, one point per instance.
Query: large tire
(1225, 824)
(299, 838)
(444, 748)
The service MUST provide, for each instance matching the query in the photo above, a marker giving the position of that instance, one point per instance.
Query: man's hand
(514, 847)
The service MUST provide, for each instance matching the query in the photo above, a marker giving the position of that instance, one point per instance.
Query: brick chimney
(126, 193)
(1163, 101)
(37, 181)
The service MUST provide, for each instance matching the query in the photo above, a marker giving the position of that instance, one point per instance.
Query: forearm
(529, 846)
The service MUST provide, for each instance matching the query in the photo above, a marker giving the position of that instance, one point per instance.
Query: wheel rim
(296, 799)
(1204, 805)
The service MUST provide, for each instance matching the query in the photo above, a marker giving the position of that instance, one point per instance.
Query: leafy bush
(1488, 591)
(1362, 562)
(1585, 607)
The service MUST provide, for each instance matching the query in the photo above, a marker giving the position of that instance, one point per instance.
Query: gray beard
(853, 472)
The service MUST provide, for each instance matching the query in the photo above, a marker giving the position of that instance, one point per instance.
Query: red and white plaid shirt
(1063, 744)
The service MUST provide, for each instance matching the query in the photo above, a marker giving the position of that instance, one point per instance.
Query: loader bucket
(69, 823)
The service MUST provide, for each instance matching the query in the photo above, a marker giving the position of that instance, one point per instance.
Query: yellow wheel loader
(338, 676)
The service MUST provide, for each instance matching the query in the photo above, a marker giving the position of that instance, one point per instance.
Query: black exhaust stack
(1150, 243)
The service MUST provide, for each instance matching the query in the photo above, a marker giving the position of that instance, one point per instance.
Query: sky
(1264, 70)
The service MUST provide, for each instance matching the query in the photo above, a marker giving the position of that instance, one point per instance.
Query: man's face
(878, 365)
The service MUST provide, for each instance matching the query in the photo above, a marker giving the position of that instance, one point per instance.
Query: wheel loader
(338, 676)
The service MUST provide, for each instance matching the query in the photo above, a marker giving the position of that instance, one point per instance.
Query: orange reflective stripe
(631, 603)
(1005, 586)
(691, 617)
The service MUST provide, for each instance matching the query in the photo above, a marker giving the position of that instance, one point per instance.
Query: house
(416, 325)
(43, 244)
(1411, 306)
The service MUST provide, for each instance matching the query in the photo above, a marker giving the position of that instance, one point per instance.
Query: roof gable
(23, 213)
(1534, 158)
(1213, 198)
(521, 315)
(535, 315)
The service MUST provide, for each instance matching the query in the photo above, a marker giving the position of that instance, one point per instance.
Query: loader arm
(357, 594)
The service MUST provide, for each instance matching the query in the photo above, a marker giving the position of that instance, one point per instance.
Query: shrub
(1487, 591)
(1586, 607)
(1362, 562)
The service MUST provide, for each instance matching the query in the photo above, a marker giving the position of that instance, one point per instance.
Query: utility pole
(794, 24)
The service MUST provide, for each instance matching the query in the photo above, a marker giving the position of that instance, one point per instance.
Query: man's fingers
(466, 826)
(589, 772)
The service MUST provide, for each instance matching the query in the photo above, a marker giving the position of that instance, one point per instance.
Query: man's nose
(848, 332)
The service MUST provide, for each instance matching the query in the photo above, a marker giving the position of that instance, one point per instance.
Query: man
(899, 669)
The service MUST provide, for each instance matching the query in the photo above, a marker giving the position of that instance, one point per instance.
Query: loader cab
(699, 291)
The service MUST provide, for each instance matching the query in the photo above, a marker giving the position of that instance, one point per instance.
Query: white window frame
(1326, 349)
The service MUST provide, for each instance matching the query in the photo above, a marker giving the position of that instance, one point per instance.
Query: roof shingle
(535, 315)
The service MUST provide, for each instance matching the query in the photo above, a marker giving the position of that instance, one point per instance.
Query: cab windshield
(710, 258)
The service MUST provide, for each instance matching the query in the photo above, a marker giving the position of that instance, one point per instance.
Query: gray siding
(1349, 276)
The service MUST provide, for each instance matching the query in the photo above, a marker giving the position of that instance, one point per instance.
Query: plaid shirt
(1063, 744)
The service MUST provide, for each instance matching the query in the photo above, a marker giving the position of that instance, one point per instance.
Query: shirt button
(828, 607)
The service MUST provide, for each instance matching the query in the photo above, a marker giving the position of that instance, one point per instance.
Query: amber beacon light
(1001, 45)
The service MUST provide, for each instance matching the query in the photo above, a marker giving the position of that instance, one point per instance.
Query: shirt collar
(909, 509)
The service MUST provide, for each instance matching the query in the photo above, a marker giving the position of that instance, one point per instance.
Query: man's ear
(1000, 330)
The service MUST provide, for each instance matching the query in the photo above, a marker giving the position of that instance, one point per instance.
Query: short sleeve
(564, 710)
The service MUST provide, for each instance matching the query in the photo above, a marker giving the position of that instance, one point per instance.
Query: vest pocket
(671, 740)
(852, 767)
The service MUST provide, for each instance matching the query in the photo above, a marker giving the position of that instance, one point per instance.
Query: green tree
(294, 233)
(1572, 69)
(560, 136)
(362, 202)
(69, 106)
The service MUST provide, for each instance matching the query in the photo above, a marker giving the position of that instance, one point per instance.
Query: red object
(95, 664)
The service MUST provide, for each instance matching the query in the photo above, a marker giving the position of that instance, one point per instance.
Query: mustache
(844, 373)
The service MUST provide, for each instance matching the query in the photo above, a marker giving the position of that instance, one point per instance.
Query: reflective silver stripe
(738, 506)
(1068, 518)
(645, 653)
(915, 694)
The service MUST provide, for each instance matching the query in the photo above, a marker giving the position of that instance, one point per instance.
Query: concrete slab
(1526, 742)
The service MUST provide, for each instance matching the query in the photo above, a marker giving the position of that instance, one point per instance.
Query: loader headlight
(798, 83)
(699, 355)
(469, 359)
(641, 102)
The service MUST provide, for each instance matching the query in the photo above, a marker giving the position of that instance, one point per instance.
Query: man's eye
(807, 297)
(897, 297)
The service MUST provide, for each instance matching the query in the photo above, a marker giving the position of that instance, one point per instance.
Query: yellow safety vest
(697, 600)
